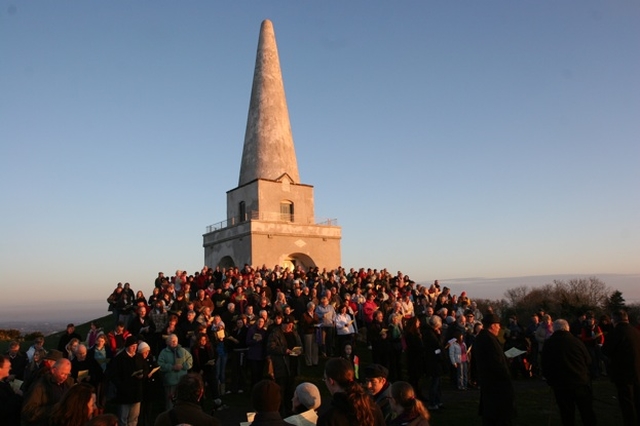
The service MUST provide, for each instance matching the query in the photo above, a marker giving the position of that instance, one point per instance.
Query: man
(46, 392)
(565, 365)
(51, 357)
(375, 380)
(11, 401)
(622, 347)
(67, 336)
(86, 369)
(174, 361)
(141, 325)
(127, 371)
(282, 348)
(497, 396)
(187, 409)
(18, 359)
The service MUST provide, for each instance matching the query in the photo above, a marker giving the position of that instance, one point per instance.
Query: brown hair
(404, 396)
(362, 406)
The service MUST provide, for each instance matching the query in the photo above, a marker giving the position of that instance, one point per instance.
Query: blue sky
(450, 139)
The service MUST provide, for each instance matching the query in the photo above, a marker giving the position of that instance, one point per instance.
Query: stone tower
(270, 215)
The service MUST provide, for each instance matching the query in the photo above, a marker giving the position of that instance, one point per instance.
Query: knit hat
(265, 396)
(308, 395)
(143, 346)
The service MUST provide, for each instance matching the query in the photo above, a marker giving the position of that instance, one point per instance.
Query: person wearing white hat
(306, 400)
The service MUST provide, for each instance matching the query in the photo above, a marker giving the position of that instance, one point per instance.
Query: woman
(140, 299)
(155, 297)
(76, 407)
(308, 322)
(71, 348)
(94, 331)
(409, 409)
(350, 404)
(345, 327)
(152, 387)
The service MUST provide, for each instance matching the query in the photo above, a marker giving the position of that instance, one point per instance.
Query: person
(76, 407)
(593, 338)
(94, 331)
(174, 361)
(266, 398)
(204, 359)
(106, 419)
(349, 355)
(38, 343)
(377, 385)
(622, 347)
(19, 361)
(306, 400)
(350, 404)
(127, 372)
(308, 321)
(458, 358)
(152, 388)
(67, 336)
(257, 344)
(415, 352)
(497, 396)
(565, 365)
(283, 347)
(187, 410)
(407, 407)
(11, 400)
(117, 337)
(435, 360)
(395, 340)
(85, 368)
(345, 327)
(46, 392)
(50, 358)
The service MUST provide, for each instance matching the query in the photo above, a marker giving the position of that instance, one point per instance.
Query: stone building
(270, 214)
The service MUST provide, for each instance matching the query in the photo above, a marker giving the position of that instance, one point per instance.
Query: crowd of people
(179, 343)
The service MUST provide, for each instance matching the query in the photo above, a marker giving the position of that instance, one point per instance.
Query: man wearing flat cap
(284, 346)
(497, 396)
(377, 385)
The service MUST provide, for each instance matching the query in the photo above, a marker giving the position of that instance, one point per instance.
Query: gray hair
(435, 321)
(560, 325)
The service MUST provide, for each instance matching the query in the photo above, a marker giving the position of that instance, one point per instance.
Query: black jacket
(565, 361)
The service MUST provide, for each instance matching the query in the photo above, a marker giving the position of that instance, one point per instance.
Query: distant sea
(53, 316)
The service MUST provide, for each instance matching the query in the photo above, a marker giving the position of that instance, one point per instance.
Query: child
(458, 357)
(347, 353)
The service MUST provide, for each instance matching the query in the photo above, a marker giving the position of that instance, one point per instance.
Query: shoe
(433, 407)
(441, 405)
(227, 392)
(240, 391)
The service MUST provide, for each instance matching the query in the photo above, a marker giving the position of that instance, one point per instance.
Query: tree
(615, 302)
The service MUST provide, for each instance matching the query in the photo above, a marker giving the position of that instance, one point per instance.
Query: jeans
(128, 414)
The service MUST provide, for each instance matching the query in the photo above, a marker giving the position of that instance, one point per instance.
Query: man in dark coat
(622, 347)
(565, 364)
(187, 408)
(11, 401)
(46, 392)
(284, 347)
(497, 396)
(128, 371)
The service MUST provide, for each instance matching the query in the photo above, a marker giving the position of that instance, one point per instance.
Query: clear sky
(451, 140)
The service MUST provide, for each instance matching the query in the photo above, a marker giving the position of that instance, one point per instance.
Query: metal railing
(264, 216)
